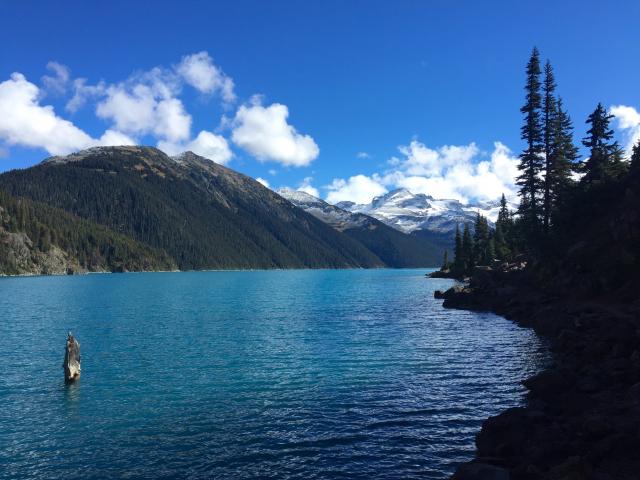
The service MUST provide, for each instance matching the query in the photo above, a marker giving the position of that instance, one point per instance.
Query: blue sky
(347, 99)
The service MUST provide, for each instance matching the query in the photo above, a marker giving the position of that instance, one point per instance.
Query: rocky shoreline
(582, 417)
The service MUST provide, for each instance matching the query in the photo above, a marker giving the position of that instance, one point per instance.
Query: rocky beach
(582, 416)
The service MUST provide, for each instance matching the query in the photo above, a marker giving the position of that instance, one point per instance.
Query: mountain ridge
(394, 247)
(203, 215)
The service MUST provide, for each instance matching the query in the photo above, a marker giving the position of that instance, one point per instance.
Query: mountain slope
(395, 248)
(203, 215)
(39, 239)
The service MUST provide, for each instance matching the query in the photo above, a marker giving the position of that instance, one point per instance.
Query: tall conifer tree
(467, 248)
(531, 159)
(550, 112)
(458, 260)
(563, 153)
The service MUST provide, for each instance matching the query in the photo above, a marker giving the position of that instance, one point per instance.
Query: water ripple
(284, 374)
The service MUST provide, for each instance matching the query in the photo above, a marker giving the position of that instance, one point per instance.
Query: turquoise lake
(261, 374)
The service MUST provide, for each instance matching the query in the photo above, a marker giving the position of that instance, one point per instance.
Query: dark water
(282, 374)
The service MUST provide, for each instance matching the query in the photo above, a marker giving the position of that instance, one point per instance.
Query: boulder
(480, 471)
(71, 363)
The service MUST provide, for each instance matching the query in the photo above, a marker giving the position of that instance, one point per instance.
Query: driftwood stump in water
(71, 359)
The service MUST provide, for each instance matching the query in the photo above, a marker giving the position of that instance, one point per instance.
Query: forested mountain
(395, 248)
(199, 214)
(36, 238)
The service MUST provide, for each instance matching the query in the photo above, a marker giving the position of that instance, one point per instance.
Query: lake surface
(278, 374)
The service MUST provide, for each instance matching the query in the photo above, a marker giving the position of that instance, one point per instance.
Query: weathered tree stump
(71, 363)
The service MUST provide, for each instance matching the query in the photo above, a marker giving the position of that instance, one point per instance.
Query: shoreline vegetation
(109, 272)
(565, 264)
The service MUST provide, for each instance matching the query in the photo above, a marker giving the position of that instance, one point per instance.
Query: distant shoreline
(80, 274)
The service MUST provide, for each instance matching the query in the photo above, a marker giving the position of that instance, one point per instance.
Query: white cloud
(357, 189)
(146, 108)
(206, 144)
(212, 146)
(459, 172)
(363, 155)
(56, 83)
(23, 121)
(264, 182)
(455, 171)
(115, 138)
(146, 103)
(629, 122)
(422, 160)
(305, 186)
(83, 92)
(265, 133)
(199, 71)
(172, 122)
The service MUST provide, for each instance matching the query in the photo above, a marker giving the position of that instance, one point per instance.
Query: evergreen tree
(531, 159)
(501, 249)
(467, 249)
(634, 166)
(550, 111)
(563, 154)
(504, 217)
(458, 260)
(605, 156)
(445, 260)
(483, 245)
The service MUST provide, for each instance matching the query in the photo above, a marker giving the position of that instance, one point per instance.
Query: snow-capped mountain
(409, 212)
(394, 247)
(338, 218)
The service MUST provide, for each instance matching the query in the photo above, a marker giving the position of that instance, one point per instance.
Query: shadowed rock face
(582, 418)
(71, 359)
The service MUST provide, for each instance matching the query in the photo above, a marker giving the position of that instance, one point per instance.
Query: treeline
(562, 200)
(485, 244)
(87, 246)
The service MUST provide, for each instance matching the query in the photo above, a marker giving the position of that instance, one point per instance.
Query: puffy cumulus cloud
(460, 172)
(265, 183)
(146, 103)
(206, 144)
(628, 120)
(363, 155)
(357, 189)
(265, 133)
(56, 83)
(115, 138)
(199, 71)
(306, 187)
(24, 121)
(144, 108)
(453, 171)
(422, 160)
